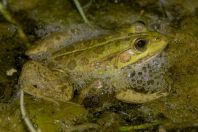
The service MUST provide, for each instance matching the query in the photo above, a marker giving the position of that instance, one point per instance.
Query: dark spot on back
(70, 48)
(87, 44)
(99, 50)
(71, 64)
(84, 61)
(57, 38)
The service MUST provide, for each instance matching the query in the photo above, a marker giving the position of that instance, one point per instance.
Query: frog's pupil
(140, 43)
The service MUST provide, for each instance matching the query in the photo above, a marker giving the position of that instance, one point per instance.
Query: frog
(54, 74)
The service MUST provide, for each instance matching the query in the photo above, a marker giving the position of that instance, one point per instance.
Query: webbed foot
(131, 96)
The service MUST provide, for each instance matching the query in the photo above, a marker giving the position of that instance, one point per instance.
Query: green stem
(80, 10)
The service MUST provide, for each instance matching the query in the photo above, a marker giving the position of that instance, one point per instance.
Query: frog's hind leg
(131, 96)
(38, 80)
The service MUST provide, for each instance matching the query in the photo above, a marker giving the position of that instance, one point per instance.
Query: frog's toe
(131, 96)
(159, 94)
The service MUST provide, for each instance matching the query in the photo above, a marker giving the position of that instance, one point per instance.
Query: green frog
(55, 73)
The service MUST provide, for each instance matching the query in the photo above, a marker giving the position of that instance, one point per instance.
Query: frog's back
(89, 44)
(82, 55)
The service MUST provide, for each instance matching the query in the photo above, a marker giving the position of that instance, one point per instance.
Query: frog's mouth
(148, 58)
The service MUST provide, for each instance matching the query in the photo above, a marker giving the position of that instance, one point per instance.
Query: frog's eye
(140, 44)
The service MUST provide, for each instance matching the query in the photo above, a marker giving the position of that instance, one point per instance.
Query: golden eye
(140, 44)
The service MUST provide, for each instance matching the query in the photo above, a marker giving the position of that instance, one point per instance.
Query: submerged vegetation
(23, 23)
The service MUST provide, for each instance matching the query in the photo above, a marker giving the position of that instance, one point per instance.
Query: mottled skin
(54, 76)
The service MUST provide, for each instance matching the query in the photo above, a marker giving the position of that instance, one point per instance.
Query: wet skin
(91, 64)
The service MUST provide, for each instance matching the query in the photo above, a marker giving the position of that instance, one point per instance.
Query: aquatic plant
(80, 10)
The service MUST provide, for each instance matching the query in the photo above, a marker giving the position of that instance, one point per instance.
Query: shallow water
(178, 20)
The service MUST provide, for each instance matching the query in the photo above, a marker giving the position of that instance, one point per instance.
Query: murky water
(176, 70)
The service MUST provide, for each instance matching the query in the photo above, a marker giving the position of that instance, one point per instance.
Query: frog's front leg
(93, 88)
(39, 81)
(131, 96)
